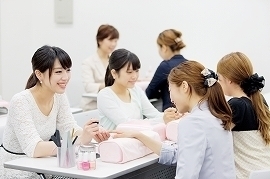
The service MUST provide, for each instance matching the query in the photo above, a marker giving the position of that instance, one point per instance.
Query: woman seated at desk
(94, 67)
(36, 113)
(204, 148)
(169, 46)
(121, 101)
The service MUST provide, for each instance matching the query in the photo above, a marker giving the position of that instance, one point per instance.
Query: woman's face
(108, 45)
(59, 78)
(225, 84)
(164, 52)
(126, 77)
(179, 96)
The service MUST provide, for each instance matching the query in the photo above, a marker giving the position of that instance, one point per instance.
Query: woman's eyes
(60, 71)
(132, 71)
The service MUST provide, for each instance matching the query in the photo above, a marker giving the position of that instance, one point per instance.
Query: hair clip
(210, 77)
(177, 40)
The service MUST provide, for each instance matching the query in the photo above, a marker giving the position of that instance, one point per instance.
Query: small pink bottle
(92, 160)
(80, 160)
(85, 163)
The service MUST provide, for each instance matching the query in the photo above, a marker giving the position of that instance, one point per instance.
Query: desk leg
(41, 175)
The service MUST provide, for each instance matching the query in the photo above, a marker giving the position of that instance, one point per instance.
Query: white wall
(210, 30)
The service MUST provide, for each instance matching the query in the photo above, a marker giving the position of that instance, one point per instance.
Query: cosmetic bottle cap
(85, 157)
(93, 156)
(80, 156)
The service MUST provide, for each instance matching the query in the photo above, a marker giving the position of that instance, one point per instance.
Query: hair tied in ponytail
(253, 84)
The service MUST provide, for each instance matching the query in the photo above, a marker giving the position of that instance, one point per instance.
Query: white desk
(142, 84)
(76, 110)
(90, 95)
(103, 170)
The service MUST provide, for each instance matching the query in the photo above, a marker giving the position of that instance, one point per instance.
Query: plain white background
(210, 28)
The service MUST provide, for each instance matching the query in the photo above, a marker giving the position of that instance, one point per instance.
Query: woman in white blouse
(121, 100)
(94, 67)
(204, 148)
(36, 113)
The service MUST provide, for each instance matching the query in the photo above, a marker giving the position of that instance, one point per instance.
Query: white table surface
(142, 84)
(90, 95)
(76, 110)
(103, 170)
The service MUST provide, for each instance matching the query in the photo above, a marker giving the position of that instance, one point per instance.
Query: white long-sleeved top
(113, 111)
(204, 150)
(27, 125)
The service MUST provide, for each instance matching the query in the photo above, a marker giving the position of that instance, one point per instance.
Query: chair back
(85, 116)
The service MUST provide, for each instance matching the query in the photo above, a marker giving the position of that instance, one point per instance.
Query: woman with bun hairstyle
(170, 43)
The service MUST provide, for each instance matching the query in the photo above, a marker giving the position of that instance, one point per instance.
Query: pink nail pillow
(140, 125)
(172, 130)
(122, 150)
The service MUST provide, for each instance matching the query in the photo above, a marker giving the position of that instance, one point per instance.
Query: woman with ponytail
(121, 100)
(251, 116)
(204, 148)
(42, 108)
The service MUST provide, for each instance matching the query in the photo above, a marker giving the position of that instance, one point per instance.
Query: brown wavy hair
(237, 67)
(190, 71)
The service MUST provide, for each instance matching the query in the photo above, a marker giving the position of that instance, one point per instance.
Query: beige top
(93, 74)
(250, 152)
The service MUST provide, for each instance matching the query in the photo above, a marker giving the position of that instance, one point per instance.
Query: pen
(73, 142)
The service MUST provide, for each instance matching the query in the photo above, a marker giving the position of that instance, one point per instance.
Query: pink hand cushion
(4, 104)
(140, 125)
(121, 150)
(172, 130)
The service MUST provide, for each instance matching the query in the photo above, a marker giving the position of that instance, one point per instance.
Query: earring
(40, 82)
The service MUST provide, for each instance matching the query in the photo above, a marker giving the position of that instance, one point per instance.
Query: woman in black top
(251, 116)
(169, 44)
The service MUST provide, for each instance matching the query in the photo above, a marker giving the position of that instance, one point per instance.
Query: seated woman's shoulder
(21, 95)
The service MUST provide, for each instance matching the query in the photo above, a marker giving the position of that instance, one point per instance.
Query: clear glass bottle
(92, 160)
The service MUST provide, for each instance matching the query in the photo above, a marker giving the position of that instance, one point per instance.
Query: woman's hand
(125, 133)
(101, 135)
(90, 129)
(171, 114)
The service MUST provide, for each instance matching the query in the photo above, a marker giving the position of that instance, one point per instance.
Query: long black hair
(118, 59)
(44, 59)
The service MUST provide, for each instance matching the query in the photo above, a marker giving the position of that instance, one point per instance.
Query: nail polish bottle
(92, 160)
(79, 160)
(85, 163)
